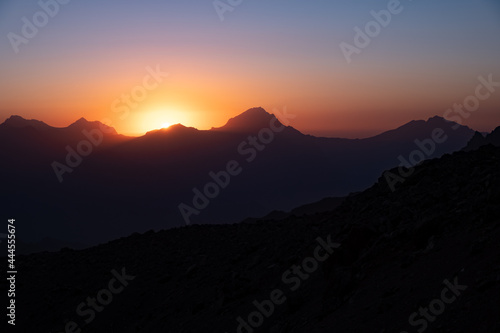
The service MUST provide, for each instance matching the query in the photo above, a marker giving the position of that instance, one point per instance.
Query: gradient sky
(274, 54)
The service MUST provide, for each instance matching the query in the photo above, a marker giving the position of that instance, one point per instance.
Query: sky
(98, 60)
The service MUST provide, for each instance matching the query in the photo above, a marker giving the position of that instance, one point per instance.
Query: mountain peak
(83, 123)
(16, 121)
(248, 121)
(176, 128)
(256, 112)
(80, 122)
(435, 119)
(15, 117)
(479, 140)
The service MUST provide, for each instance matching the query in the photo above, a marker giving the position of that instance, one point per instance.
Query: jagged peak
(82, 120)
(249, 120)
(83, 123)
(496, 131)
(478, 135)
(16, 121)
(79, 122)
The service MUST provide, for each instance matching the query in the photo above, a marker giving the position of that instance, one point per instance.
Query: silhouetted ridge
(79, 124)
(83, 123)
(19, 122)
(249, 121)
(15, 121)
(173, 129)
(475, 142)
(479, 140)
(423, 129)
(494, 136)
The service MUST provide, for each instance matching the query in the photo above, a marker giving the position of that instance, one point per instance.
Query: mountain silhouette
(249, 121)
(479, 140)
(134, 184)
(20, 122)
(35, 133)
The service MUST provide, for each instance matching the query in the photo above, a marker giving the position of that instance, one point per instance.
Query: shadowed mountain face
(112, 185)
(422, 258)
(478, 140)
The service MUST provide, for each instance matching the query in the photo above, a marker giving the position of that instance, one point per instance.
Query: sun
(159, 118)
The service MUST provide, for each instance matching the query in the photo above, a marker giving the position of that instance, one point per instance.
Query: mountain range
(86, 183)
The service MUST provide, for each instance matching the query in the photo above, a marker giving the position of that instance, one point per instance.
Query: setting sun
(141, 121)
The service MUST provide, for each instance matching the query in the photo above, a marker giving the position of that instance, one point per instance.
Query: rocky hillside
(425, 257)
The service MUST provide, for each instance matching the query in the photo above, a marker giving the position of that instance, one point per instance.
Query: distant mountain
(31, 146)
(83, 124)
(479, 140)
(423, 258)
(252, 120)
(37, 135)
(79, 125)
(65, 186)
(20, 122)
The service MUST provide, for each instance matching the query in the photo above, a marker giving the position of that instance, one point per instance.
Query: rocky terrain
(378, 261)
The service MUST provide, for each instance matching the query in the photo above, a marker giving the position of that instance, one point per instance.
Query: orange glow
(326, 101)
(140, 122)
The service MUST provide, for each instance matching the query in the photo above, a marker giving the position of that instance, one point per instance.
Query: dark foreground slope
(396, 250)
